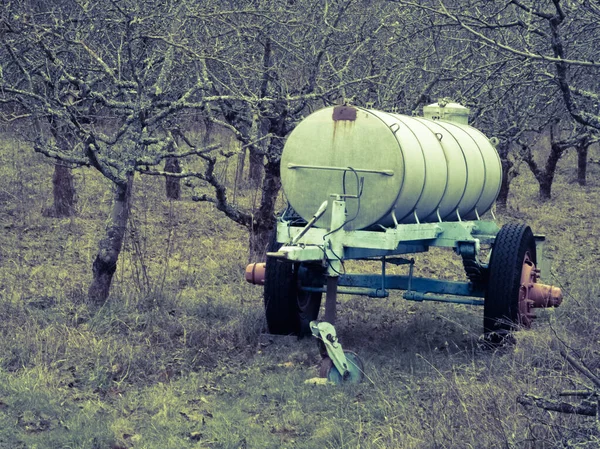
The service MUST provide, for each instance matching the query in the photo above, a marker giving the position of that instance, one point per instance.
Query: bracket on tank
(344, 169)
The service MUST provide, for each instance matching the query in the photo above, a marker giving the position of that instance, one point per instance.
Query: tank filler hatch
(444, 109)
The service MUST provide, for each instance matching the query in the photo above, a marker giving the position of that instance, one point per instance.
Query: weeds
(173, 359)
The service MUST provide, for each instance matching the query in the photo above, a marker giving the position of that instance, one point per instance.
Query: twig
(579, 366)
(581, 393)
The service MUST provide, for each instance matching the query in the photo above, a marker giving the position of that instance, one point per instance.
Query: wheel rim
(525, 303)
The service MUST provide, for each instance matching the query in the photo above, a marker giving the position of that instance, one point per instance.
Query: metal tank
(402, 169)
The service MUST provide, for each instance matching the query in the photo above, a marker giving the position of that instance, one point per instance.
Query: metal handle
(358, 170)
(312, 221)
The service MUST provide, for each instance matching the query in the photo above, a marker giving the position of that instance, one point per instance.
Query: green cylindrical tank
(405, 169)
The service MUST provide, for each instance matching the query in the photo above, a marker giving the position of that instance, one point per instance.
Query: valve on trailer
(337, 366)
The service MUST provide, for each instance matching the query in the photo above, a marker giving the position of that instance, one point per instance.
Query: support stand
(337, 365)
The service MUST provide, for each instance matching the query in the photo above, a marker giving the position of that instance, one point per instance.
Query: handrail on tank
(358, 170)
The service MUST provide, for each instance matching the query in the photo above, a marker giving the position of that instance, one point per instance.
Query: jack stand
(338, 366)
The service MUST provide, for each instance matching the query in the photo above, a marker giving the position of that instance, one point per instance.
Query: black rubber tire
(279, 298)
(288, 309)
(501, 306)
(308, 303)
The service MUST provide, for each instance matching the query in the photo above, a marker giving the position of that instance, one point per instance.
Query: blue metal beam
(421, 285)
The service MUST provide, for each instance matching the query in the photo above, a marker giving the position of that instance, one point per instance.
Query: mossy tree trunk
(582, 156)
(257, 168)
(507, 175)
(241, 162)
(63, 187)
(502, 199)
(63, 191)
(109, 248)
(264, 221)
(172, 183)
(546, 176)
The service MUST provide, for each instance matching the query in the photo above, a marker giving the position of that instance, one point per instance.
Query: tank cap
(444, 109)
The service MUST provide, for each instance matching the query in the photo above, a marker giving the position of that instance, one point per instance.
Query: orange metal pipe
(255, 273)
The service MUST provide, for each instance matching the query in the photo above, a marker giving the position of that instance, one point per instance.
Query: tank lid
(444, 109)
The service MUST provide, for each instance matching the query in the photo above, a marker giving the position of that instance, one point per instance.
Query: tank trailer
(369, 185)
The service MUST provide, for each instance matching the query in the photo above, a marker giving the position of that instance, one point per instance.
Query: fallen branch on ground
(587, 409)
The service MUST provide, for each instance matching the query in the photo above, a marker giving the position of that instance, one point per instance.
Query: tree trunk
(241, 161)
(264, 220)
(558, 406)
(546, 186)
(507, 177)
(582, 155)
(109, 247)
(63, 189)
(173, 184)
(546, 178)
(257, 167)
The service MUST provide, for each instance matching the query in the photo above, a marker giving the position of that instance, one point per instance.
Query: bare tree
(253, 67)
(118, 58)
(560, 36)
(552, 140)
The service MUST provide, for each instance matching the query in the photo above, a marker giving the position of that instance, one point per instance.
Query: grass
(173, 360)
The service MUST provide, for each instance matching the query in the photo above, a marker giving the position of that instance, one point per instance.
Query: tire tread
(506, 263)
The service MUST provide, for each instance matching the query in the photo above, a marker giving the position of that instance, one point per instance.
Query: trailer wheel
(288, 309)
(355, 369)
(506, 305)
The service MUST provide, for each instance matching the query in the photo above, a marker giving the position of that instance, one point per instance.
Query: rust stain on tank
(343, 113)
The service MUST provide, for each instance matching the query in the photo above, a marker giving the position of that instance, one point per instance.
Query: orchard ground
(173, 359)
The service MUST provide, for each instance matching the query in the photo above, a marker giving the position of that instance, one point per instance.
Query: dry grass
(172, 359)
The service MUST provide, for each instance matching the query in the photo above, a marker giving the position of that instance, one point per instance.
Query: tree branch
(483, 38)
(580, 366)
(558, 406)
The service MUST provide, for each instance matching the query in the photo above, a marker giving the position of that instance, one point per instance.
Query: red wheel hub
(533, 295)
